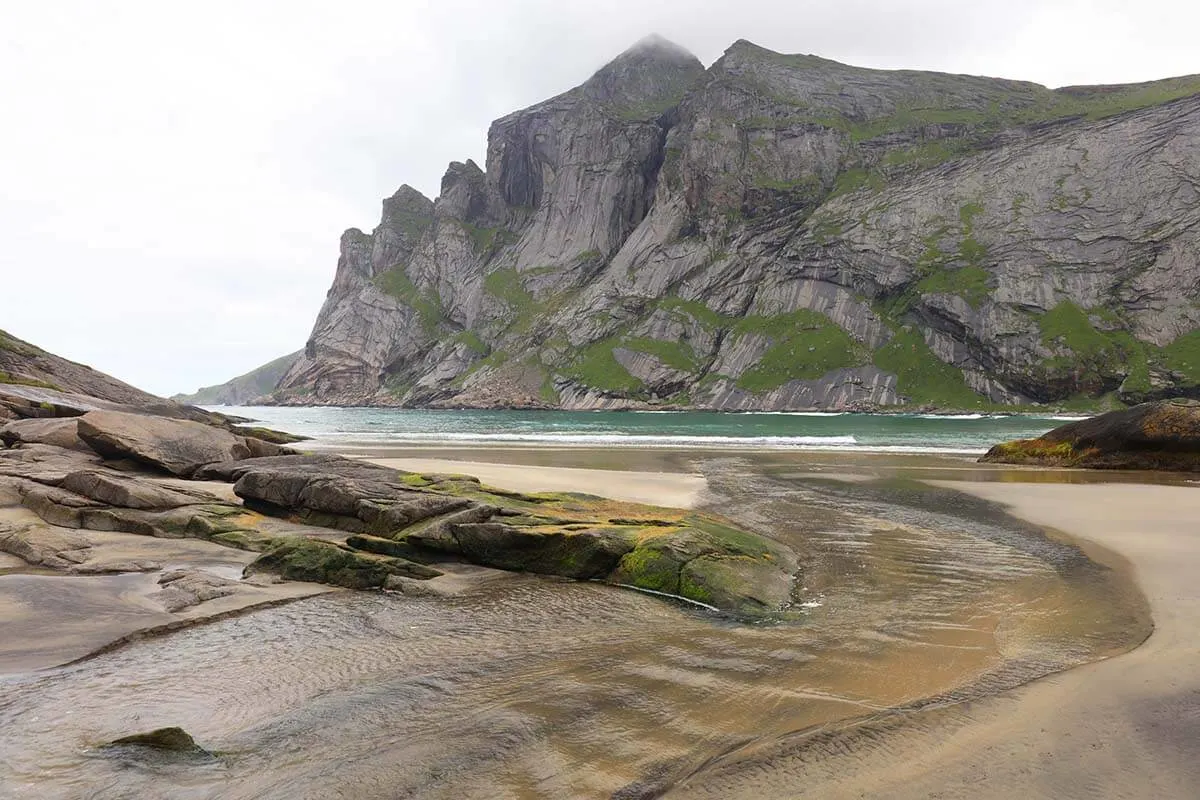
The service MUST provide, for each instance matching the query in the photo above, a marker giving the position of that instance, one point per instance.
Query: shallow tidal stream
(528, 687)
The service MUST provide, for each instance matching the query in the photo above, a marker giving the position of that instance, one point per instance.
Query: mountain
(244, 388)
(784, 232)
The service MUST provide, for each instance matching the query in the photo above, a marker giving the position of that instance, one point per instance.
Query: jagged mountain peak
(407, 194)
(659, 46)
(650, 76)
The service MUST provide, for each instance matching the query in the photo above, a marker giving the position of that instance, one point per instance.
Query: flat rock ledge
(353, 524)
(1163, 435)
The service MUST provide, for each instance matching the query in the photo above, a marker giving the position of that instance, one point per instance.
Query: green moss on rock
(319, 561)
(427, 304)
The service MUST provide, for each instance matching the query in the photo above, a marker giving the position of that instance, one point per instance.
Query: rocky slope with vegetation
(25, 365)
(244, 389)
(784, 231)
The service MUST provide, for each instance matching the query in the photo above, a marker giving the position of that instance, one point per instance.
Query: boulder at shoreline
(1163, 435)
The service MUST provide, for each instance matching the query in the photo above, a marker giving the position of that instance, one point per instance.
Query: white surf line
(663, 594)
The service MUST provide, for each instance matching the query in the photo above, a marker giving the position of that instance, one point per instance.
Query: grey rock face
(784, 232)
(176, 446)
(54, 431)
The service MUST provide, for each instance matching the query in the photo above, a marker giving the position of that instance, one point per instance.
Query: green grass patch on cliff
(856, 178)
(922, 376)
(696, 310)
(804, 346)
(1089, 359)
(427, 304)
(547, 392)
(14, 345)
(969, 283)
(1067, 325)
(1183, 355)
(1098, 102)
(472, 341)
(960, 273)
(506, 285)
(409, 220)
(20, 381)
(928, 154)
(595, 366)
(678, 355)
(487, 241)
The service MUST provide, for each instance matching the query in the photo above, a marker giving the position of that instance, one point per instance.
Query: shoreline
(1017, 411)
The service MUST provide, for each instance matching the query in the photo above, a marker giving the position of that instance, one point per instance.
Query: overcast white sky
(174, 176)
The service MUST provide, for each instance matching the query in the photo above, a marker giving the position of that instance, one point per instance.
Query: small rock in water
(175, 740)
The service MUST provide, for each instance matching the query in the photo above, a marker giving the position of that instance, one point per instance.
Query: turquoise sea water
(900, 433)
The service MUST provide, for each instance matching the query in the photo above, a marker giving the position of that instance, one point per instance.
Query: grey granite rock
(783, 232)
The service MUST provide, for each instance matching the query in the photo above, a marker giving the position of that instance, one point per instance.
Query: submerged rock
(174, 739)
(184, 588)
(1159, 436)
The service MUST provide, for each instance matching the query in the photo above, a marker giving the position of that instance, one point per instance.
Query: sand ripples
(527, 687)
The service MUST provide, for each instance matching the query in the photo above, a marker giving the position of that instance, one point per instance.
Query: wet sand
(1125, 727)
(1128, 726)
(730, 722)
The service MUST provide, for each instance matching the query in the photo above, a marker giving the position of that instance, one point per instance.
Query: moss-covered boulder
(713, 564)
(1164, 435)
(319, 561)
(399, 518)
(591, 552)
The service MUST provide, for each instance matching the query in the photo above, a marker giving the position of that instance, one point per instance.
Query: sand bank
(671, 489)
(1124, 727)
(1128, 726)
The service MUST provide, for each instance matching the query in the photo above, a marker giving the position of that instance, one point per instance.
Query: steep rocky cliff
(783, 232)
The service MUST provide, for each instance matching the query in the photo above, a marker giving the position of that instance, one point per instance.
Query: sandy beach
(1123, 727)
(671, 489)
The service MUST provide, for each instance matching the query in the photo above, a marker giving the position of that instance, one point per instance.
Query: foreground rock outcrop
(1164, 435)
(340, 521)
(410, 518)
(782, 231)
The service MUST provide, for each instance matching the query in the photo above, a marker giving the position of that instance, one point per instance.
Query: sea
(957, 434)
